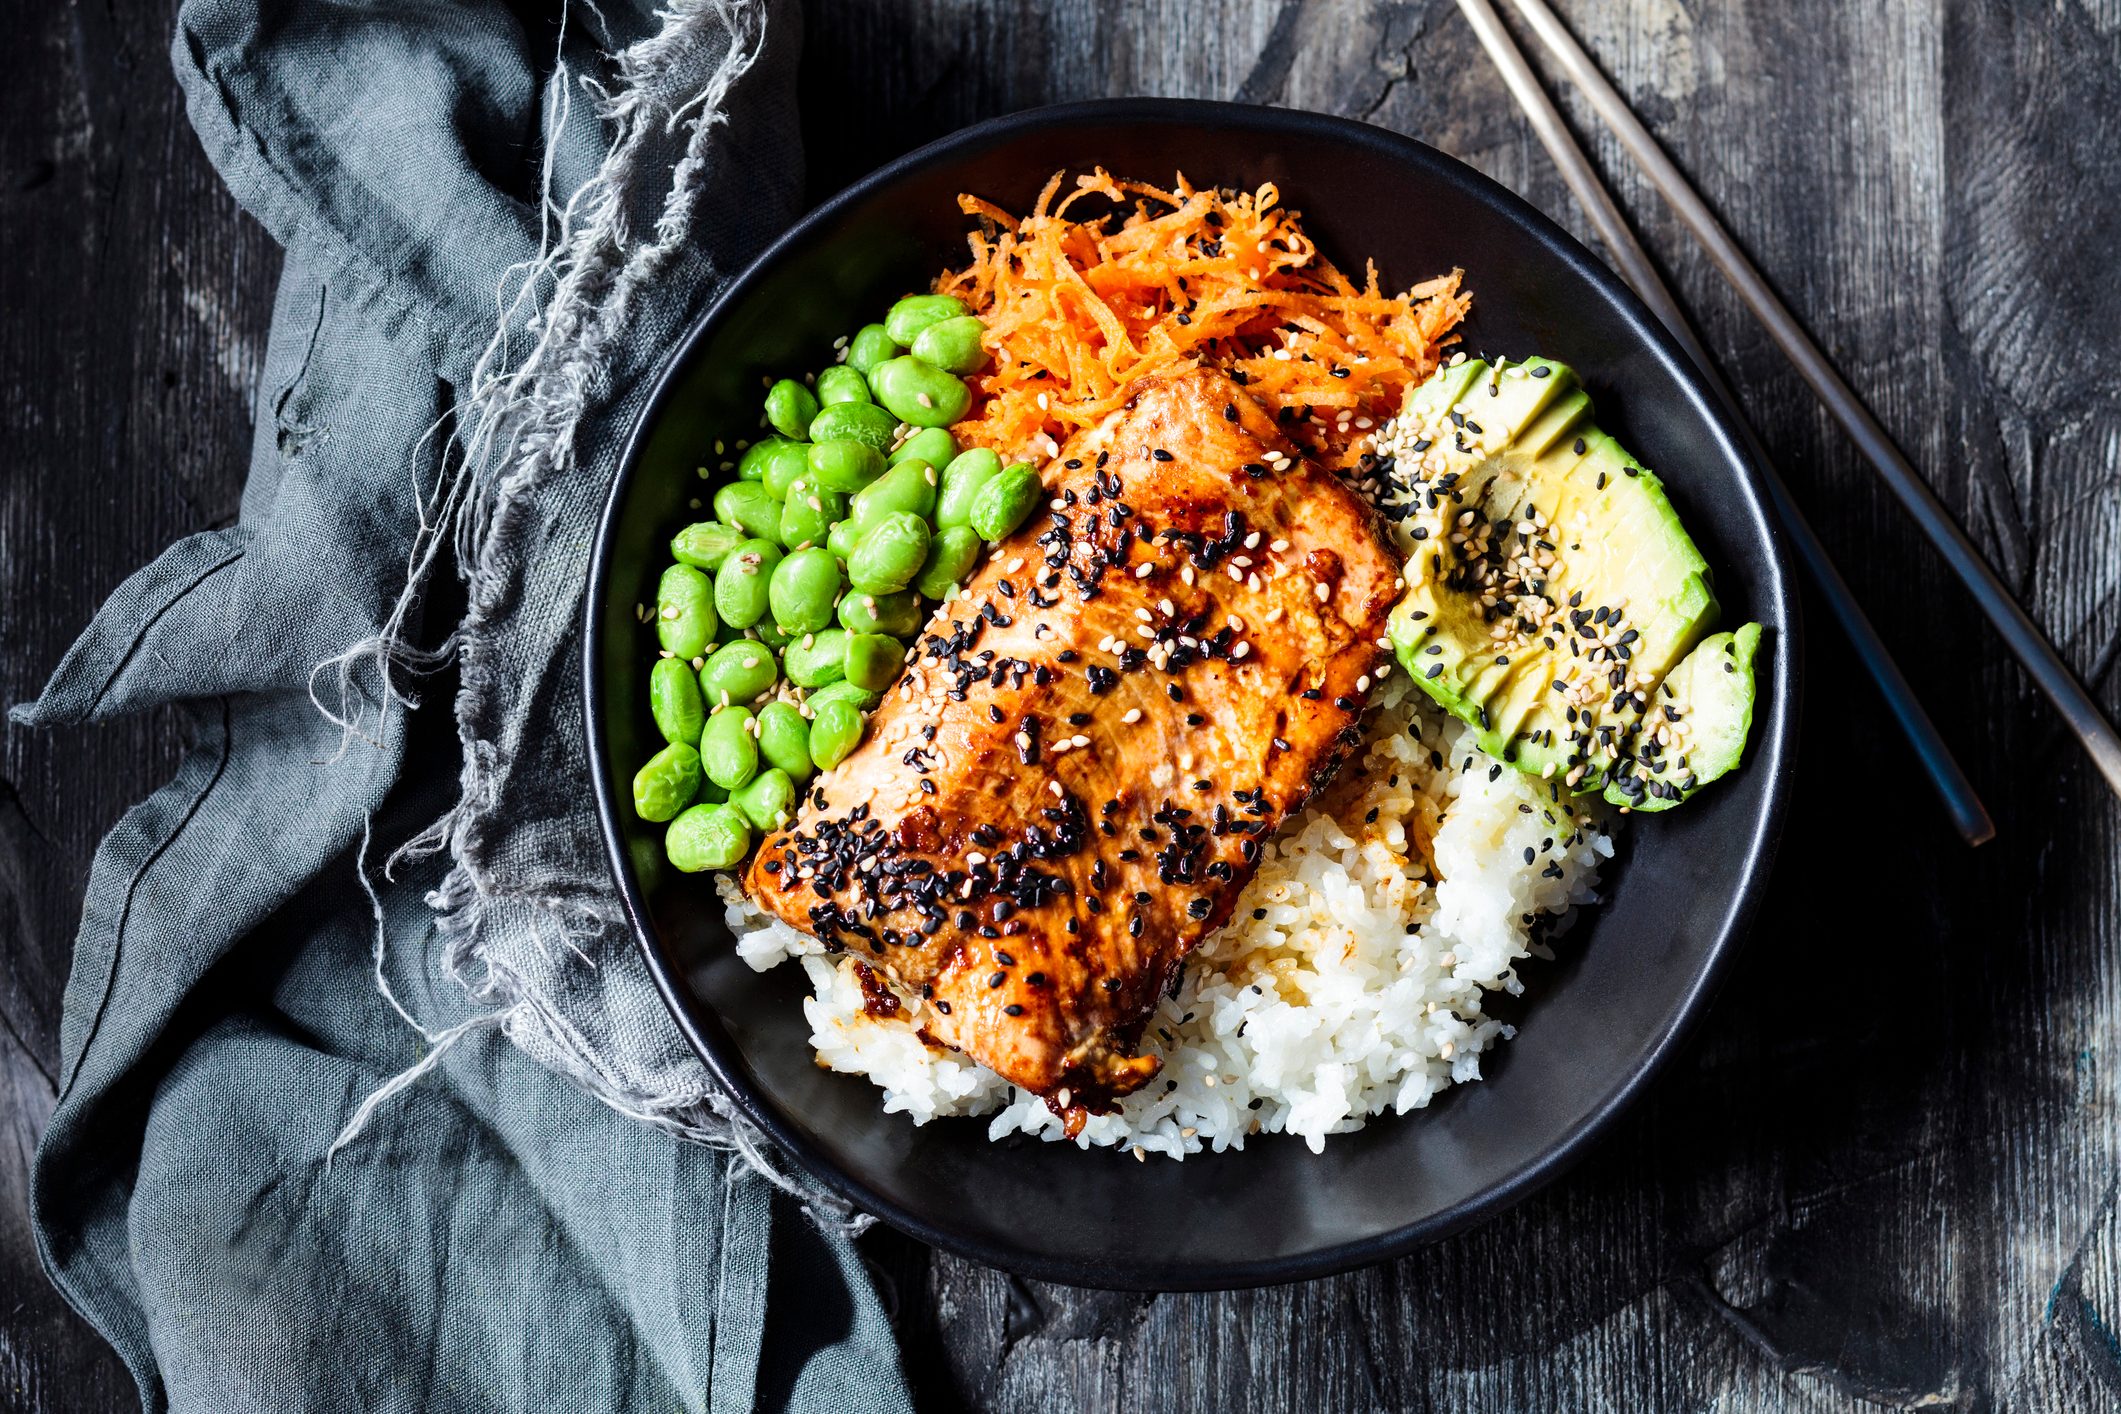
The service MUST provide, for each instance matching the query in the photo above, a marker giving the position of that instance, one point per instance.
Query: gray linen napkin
(495, 216)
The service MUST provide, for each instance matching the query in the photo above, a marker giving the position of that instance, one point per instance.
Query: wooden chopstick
(1951, 784)
(2079, 712)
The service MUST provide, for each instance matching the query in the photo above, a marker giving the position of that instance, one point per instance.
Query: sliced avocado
(1705, 707)
(1551, 587)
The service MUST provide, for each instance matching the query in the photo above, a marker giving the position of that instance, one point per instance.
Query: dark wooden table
(1884, 1174)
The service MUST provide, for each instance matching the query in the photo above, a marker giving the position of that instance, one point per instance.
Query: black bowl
(1598, 1024)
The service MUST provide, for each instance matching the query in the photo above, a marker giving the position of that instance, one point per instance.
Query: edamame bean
(952, 344)
(840, 540)
(728, 753)
(708, 837)
(705, 544)
(790, 407)
(909, 486)
(841, 384)
(818, 658)
(896, 614)
(920, 393)
(738, 672)
(809, 514)
(873, 660)
(841, 690)
(769, 633)
(784, 741)
(674, 701)
(784, 469)
(889, 554)
(740, 586)
(1003, 503)
(667, 783)
(768, 802)
(835, 731)
(933, 445)
(684, 612)
(749, 507)
(963, 478)
(855, 422)
(914, 313)
(843, 464)
(870, 346)
(761, 456)
(951, 554)
(803, 590)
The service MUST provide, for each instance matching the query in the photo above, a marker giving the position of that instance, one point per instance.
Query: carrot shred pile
(1078, 310)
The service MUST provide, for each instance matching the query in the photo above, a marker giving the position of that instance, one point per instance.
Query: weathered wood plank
(135, 299)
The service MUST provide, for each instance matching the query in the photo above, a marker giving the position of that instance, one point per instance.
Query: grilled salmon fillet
(1071, 783)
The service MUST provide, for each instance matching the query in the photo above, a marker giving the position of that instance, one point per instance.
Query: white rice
(1349, 982)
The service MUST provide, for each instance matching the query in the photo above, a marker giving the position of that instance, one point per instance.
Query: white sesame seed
(1131, 715)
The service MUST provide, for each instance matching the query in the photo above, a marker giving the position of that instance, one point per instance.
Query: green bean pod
(920, 393)
(890, 553)
(674, 701)
(1004, 503)
(728, 752)
(667, 783)
(708, 837)
(790, 407)
(952, 553)
(964, 478)
(905, 320)
(952, 345)
(740, 586)
(684, 612)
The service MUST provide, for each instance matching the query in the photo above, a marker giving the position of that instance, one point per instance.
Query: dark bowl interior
(1599, 1022)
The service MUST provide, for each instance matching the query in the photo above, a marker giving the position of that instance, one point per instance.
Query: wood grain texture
(1885, 1174)
(133, 306)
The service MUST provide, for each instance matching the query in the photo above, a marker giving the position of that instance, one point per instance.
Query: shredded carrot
(1078, 310)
